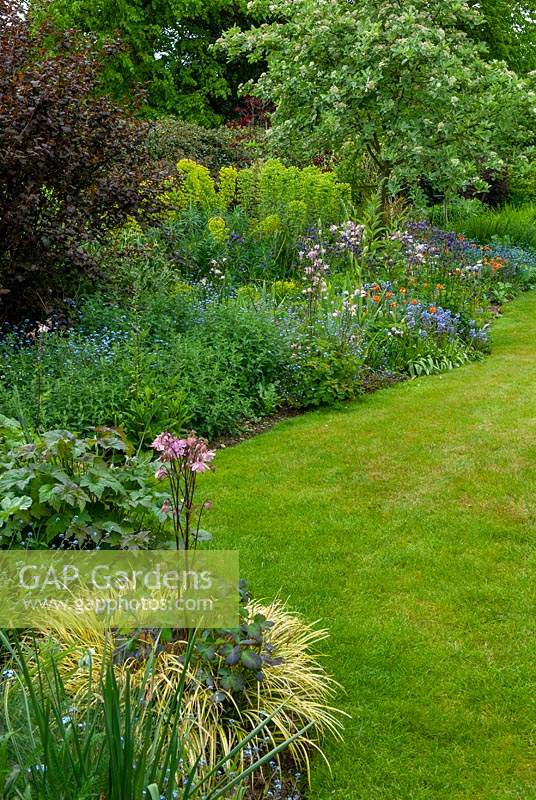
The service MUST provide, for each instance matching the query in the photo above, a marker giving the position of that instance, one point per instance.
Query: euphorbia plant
(181, 460)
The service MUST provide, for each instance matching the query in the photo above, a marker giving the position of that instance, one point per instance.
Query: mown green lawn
(406, 522)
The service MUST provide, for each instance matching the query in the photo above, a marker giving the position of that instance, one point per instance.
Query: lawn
(405, 523)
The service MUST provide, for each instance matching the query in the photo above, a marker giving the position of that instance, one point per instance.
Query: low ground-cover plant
(206, 365)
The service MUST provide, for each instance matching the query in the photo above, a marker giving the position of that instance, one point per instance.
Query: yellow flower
(218, 229)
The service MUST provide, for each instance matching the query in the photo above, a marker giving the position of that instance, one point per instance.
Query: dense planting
(245, 336)
(165, 288)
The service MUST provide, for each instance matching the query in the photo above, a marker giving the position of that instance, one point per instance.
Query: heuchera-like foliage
(70, 161)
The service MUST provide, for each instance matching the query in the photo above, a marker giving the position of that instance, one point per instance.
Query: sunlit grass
(515, 224)
(406, 523)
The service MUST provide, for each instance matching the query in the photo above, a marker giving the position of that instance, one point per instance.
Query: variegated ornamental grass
(297, 691)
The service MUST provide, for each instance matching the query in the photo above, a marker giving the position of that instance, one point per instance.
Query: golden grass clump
(299, 686)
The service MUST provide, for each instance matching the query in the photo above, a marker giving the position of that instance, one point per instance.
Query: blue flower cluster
(441, 321)
(99, 344)
(478, 334)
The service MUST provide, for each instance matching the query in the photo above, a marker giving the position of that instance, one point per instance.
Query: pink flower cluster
(193, 452)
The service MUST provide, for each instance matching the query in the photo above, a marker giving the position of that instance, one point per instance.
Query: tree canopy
(509, 31)
(168, 51)
(408, 85)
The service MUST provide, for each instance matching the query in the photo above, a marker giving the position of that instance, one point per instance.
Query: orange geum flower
(414, 302)
(376, 298)
(440, 286)
(402, 290)
(388, 294)
(393, 304)
(432, 309)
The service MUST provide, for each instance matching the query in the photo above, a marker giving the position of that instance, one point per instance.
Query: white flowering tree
(398, 81)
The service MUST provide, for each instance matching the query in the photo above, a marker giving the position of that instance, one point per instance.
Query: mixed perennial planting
(163, 286)
(217, 325)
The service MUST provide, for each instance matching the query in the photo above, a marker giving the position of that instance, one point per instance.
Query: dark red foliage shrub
(252, 111)
(71, 162)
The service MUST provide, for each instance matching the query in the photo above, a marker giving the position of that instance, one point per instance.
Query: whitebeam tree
(400, 82)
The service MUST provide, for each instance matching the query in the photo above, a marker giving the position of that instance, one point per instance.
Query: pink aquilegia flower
(177, 448)
(169, 447)
(162, 442)
(199, 466)
(180, 462)
(200, 456)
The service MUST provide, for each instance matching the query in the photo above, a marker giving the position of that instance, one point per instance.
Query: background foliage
(70, 161)
(404, 87)
(168, 51)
